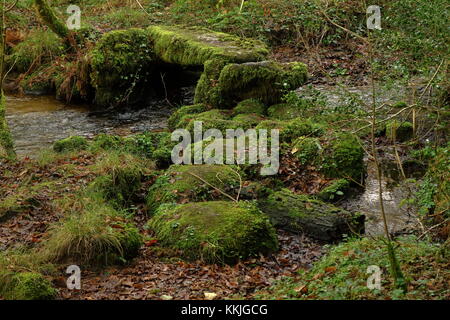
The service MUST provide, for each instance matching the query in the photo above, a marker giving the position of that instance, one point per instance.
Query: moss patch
(74, 143)
(26, 286)
(121, 64)
(342, 273)
(215, 231)
(183, 113)
(181, 184)
(250, 106)
(344, 157)
(336, 190)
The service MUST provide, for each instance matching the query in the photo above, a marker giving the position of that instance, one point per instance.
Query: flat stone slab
(193, 46)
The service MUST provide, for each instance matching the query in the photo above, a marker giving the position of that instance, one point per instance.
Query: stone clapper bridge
(127, 67)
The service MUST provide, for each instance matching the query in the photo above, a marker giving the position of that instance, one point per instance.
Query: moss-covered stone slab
(181, 184)
(301, 214)
(193, 46)
(216, 232)
(223, 85)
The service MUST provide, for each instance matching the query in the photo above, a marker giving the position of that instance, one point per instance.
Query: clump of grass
(120, 178)
(96, 234)
(38, 48)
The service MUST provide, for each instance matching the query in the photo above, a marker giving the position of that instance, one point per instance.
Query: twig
(212, 186)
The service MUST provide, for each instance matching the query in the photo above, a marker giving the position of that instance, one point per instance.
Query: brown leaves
(151, 276)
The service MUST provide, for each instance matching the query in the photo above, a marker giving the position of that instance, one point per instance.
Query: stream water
(38, 121)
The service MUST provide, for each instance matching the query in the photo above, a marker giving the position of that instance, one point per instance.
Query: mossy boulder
(183, 113)
(26, 286)
(335, 191)
(302, 214)
(193, 183)
(250, 106)
(343, 157)
(293, 129)
(224, 85)
(399, 131)
(307, 150)
(74, 143)
(193, 46)
(299, 127)
(216, 232)
(121, 63)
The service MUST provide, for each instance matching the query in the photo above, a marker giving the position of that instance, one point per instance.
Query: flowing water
(38, 121)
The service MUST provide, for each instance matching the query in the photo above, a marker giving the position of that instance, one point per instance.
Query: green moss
(433, 195)
(335, 191)
(215, 231)
(74, 143)
(181, 183)
(6, 142)
(27, 286)
(182, 112)
(48, 15)
(106, 142)
(193, 46)
(399, 131)
(250, 106)
(248, 121)
(284, 111)
(317, 219)
(291, 130)
(265, 81)
(300, 127)
(121, 64)
(307, 150)
(343, 157)
(271, 125)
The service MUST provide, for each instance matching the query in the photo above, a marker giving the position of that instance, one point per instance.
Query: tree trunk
(6, 143)
(48, 16)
